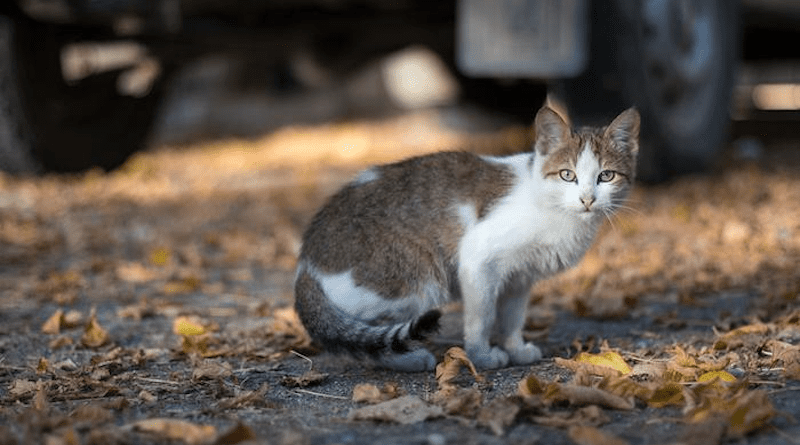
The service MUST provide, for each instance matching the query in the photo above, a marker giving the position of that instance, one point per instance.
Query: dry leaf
(459, 401)
(247, 398)
(309, 378)
(585, 395)
(369, 393)
(403, 410)
(147, 396)
(53, 324)
(174, 429)
(608, 359)
(71, 319)
(188, 326)
(589, 435)
(94, 336)
(20, 387)
(43, 366)
(160, 256)
(454, 359)
(722, 376)
(498, 415)
(745, 411)
(531, 386)
(236, 434)
(606, 364)
(212, 369)
(585, 415)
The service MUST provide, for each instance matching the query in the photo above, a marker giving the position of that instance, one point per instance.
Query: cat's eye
(567, 175)
(606, 176)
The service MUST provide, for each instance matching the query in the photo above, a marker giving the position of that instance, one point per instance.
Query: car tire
(676, 62)
(48, 125)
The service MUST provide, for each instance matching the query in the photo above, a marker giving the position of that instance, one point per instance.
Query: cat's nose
(587, 201)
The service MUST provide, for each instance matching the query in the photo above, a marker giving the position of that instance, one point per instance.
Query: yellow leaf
(160, 256)
(608, 359)
(607, 364)
(712, 375)
(43, 366)
(667, 394)
(188, 326)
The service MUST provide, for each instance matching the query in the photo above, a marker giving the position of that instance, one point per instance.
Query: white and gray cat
(403, 239)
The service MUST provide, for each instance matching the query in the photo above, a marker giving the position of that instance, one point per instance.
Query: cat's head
(587, 171)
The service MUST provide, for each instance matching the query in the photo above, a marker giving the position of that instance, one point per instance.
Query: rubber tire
(675, 140)
(47, 125)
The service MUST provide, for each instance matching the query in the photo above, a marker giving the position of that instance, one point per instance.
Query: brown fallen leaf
(236, 434)
(585, 415)
(211, 369)
(585, 395)
(454, 360)
(53, 324)
(403, 410)
(589, 435)
(43, 366)
(309, 378)
(94, 336)
(370, 393)
(21, 387)
(459, 401)
(745, 411)
(499, 414)
(531, 386)
(175, 429)
(247, 398)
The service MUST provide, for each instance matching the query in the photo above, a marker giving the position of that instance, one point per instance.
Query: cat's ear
(551, 130)
(623, 131)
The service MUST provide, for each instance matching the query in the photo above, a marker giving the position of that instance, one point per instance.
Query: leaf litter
(169, 281)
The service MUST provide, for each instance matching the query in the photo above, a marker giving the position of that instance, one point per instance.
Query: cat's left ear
(624, 131)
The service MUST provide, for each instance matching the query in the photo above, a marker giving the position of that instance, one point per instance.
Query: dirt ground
(152, 305)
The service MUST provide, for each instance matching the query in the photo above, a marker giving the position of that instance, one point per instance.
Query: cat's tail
(338, 331)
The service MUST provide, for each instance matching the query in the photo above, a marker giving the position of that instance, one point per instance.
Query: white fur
(364, 303)
(468, 214)
(534, 232)
(366, 176)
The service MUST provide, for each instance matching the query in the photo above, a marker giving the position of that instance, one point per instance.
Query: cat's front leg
(512, 309)
(479, 294)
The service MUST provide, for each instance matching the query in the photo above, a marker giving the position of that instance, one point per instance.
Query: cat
(401, 240)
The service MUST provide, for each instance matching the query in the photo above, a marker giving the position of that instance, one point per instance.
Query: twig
(791, 388)
(310, 362)
(785, 435)
(319, 394)
(152, 380)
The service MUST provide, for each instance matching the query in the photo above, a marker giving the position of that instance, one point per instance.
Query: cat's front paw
(488, 358)
(525, 355)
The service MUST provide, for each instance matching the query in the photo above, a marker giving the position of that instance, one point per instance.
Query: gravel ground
(152, 305)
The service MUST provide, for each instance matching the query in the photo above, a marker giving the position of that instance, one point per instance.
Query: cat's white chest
(524, 234)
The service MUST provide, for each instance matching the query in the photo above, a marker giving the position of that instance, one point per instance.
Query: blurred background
(86, 83)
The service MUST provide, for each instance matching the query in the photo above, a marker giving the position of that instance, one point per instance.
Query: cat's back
(412, 201)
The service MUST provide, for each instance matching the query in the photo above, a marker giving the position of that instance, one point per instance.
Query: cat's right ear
(551, 131)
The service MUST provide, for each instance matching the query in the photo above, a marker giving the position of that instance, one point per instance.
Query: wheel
(48, 125)
(676, 61)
